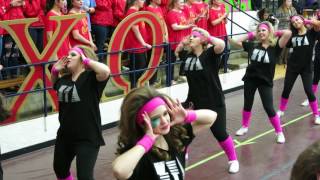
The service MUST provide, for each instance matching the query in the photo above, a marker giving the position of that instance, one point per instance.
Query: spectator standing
(55, 8)
(283, 13)
(101, 23)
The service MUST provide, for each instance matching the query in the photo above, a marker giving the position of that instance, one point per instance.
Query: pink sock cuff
(307, 21)
(250, 36)
(146, 142)
(275, 121)
(314, 88)
(228, 147)
(283, 104)
(86, 62)
(278, 33)
(191, 116)
(54, 71)
(314, 107)
(246, 118)
(70, 177)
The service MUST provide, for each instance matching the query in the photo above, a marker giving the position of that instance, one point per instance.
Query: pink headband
(296, 17)
(149, 107)
(264, 26)
(78, 50)
(197, 34)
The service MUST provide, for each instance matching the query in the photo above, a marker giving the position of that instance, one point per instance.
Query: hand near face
(148, 128)
(61, 63)
(176, 111)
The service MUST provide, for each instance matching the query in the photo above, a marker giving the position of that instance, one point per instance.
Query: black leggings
(137, 61)
(86, 157)
(316, 68)
(306, 80)
(265, 92)
(219, 127)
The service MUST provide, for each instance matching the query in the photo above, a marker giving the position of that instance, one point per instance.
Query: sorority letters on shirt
(193, 64)
(260, 55)
(68, 94)
(167, 170)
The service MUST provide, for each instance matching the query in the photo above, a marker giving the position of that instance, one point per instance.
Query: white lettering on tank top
(260, 55)
(65, 94)
(193, 64)
(173, 167)
(299, 41)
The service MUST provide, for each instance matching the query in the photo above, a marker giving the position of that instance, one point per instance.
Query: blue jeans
(100, 35)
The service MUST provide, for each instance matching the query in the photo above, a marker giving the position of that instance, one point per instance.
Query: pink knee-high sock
(246, 115)
(70, 177)
(314, 88)
(275, 121)
(228, 147)
(283, 104)
(314, 107)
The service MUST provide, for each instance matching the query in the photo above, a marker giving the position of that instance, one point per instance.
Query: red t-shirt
(190, 15)
(82, 27)
(159, 13)
(52, 26)
(131, 40)
(218, 29)
(176, 17)
(201, 9)
(164, 7)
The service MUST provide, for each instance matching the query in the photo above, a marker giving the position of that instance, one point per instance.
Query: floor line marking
(249, 141)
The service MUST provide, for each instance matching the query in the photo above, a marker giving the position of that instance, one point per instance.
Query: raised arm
(102, 71)
(219, 44)
(286, 35)
(124, 165)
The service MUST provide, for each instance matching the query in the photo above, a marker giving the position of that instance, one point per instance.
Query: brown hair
(131, 132)
(284, 7)
(307, 166)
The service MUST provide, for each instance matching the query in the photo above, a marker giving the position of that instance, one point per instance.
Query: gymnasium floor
(260, 157)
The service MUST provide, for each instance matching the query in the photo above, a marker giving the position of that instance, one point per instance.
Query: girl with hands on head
(154, 134)
(79, 90)
(300, 63)
(201, 56)
(263, 50)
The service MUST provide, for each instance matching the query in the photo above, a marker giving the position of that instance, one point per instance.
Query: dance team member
(154, 134)
(201, 66)
(79, 92)
(300, 63)
(259, 74)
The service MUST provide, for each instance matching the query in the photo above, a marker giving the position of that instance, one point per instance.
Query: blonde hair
(271, 38)
(88, 52)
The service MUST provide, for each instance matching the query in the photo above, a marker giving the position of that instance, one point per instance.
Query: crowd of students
(102, 17)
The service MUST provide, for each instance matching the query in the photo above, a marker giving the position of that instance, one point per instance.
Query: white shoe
(305, 103)
(280, 113)
(317, 119)
(242, 131)
(233, 166)
(280, 138)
